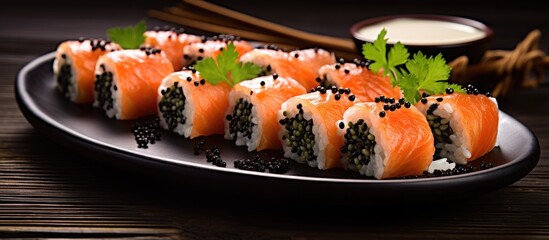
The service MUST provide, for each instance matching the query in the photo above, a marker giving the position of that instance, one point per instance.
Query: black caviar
(323, 80)
(150, 50)
(241, 119)
(265, 71)
(172, 105)
(197, 148)
(200, 54)
(298, 135)
(102, 88)
(470, 89)
(359, 143)
(270, 47)
(257, 164)
(146, 132)
(459, 169)
(440, 127)
(362, 63)
(99, 44)
(213, 155)
(64, 79)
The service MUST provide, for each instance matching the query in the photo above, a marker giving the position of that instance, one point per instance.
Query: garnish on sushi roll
(463, 122)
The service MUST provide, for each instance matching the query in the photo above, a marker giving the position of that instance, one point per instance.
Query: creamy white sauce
(422, 32)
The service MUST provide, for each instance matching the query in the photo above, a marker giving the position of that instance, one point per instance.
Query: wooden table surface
(49, 191)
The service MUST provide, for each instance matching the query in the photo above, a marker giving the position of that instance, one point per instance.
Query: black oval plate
(87, 130)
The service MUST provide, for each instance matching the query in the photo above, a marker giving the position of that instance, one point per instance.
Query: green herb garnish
(377, 52)
(130, 37)
(421, 73)
(226, 68)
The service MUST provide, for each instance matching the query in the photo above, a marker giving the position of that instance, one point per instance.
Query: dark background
(510, 21)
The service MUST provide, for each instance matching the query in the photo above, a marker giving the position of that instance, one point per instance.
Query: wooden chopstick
(188, 11)
(320, 40)
(280, 41)
(217, 28)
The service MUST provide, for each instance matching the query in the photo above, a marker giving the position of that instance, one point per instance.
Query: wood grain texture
(50, 191)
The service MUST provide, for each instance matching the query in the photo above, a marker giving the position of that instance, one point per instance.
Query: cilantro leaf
(226, 68)
(130, 37)
(210, 71)
(436, 75)
(419, 74)
(244, 71)
(377, 52)
(424, 74)
(409, 88)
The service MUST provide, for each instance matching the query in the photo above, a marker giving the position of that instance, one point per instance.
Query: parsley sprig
(130, 37)
(226, 68)
(421, 73)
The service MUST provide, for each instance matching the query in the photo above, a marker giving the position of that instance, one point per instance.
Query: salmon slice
(465, 126)
(74, 67)
(301, 65)
(211, 47)
(384, 143)
(365, 84)
(309, 133)
(190, 106)
(252, 112)
(171, 42)
(127, 82)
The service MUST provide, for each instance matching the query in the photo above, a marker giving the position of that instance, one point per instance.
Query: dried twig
(522, 67)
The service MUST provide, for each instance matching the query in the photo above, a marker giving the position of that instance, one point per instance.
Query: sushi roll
(301, 65)
(386, 140)
(211, 47)
(251, 118)
(365, 84)
(309, 131)
(74, 66)
(171, 42)
(127, 82)
(190, 106)
(464, 125)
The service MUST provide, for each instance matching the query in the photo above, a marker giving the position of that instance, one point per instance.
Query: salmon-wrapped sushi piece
(74, 67)
(309, 130)
(190, 106)
(301, 65)
(386, 140)
(211, 47)
(171, 42)
(365, 84)
(127, 82)
(465, 126)
(251, 118)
